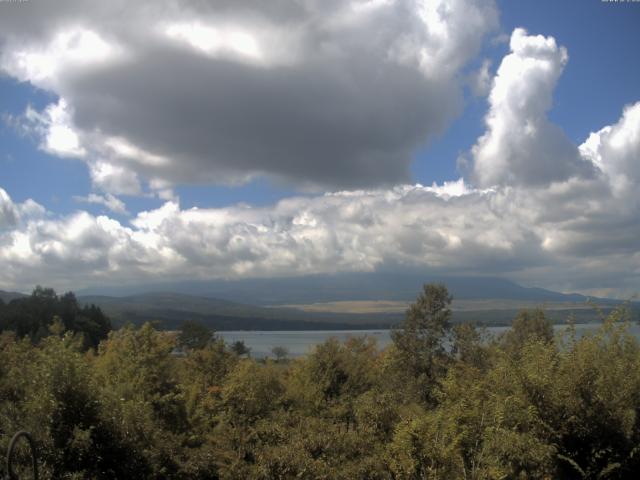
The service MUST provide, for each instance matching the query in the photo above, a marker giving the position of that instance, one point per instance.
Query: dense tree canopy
(438, 403)
(194, 335)
(32, 316)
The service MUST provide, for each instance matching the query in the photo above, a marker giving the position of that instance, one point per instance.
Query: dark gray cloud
(320, 93)
(311, 125)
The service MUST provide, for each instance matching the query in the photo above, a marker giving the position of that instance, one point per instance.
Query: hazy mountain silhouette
(6, 297)
(344, 287)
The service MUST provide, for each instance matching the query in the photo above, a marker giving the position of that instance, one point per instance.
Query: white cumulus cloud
(8, 213)
(111, 202)
(615, 150)
(521, 146)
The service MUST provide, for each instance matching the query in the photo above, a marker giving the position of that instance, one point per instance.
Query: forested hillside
(33, 316)
(525, 405)
(170, 310)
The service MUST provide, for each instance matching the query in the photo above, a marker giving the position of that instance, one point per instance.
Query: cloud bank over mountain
(326, 95)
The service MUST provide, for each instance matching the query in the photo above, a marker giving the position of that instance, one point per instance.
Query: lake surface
(300, 343)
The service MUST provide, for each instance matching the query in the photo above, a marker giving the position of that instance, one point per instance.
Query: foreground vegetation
(439, 403)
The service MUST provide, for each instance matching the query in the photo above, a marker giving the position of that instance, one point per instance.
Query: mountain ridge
(142, 308)
(344, 301)
(7, 296)
(347, 287)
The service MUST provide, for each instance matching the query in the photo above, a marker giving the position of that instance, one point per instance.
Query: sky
(150, 141)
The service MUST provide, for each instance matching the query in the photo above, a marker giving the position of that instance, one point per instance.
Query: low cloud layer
(319, 93)
(447, 227)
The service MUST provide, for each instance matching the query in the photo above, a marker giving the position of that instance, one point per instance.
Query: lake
(300, 343)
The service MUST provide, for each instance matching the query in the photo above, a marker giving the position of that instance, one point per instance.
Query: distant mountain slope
(6, 297)
(170, 300)
(349, 287)
(171, 309)
(258, 303)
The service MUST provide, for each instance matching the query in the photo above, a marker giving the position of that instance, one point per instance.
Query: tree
(280, 353)
(419, 349)
(50, 391)
(239, 348)
(32, 316)
(194, 335)
(470, 345)
(250, 391)
(527, 326)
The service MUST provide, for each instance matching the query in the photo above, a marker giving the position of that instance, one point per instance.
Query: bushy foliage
(436, 404)
(194, 335)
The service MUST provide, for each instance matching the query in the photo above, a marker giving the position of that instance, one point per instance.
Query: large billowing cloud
(542, 210)
(322, 93)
